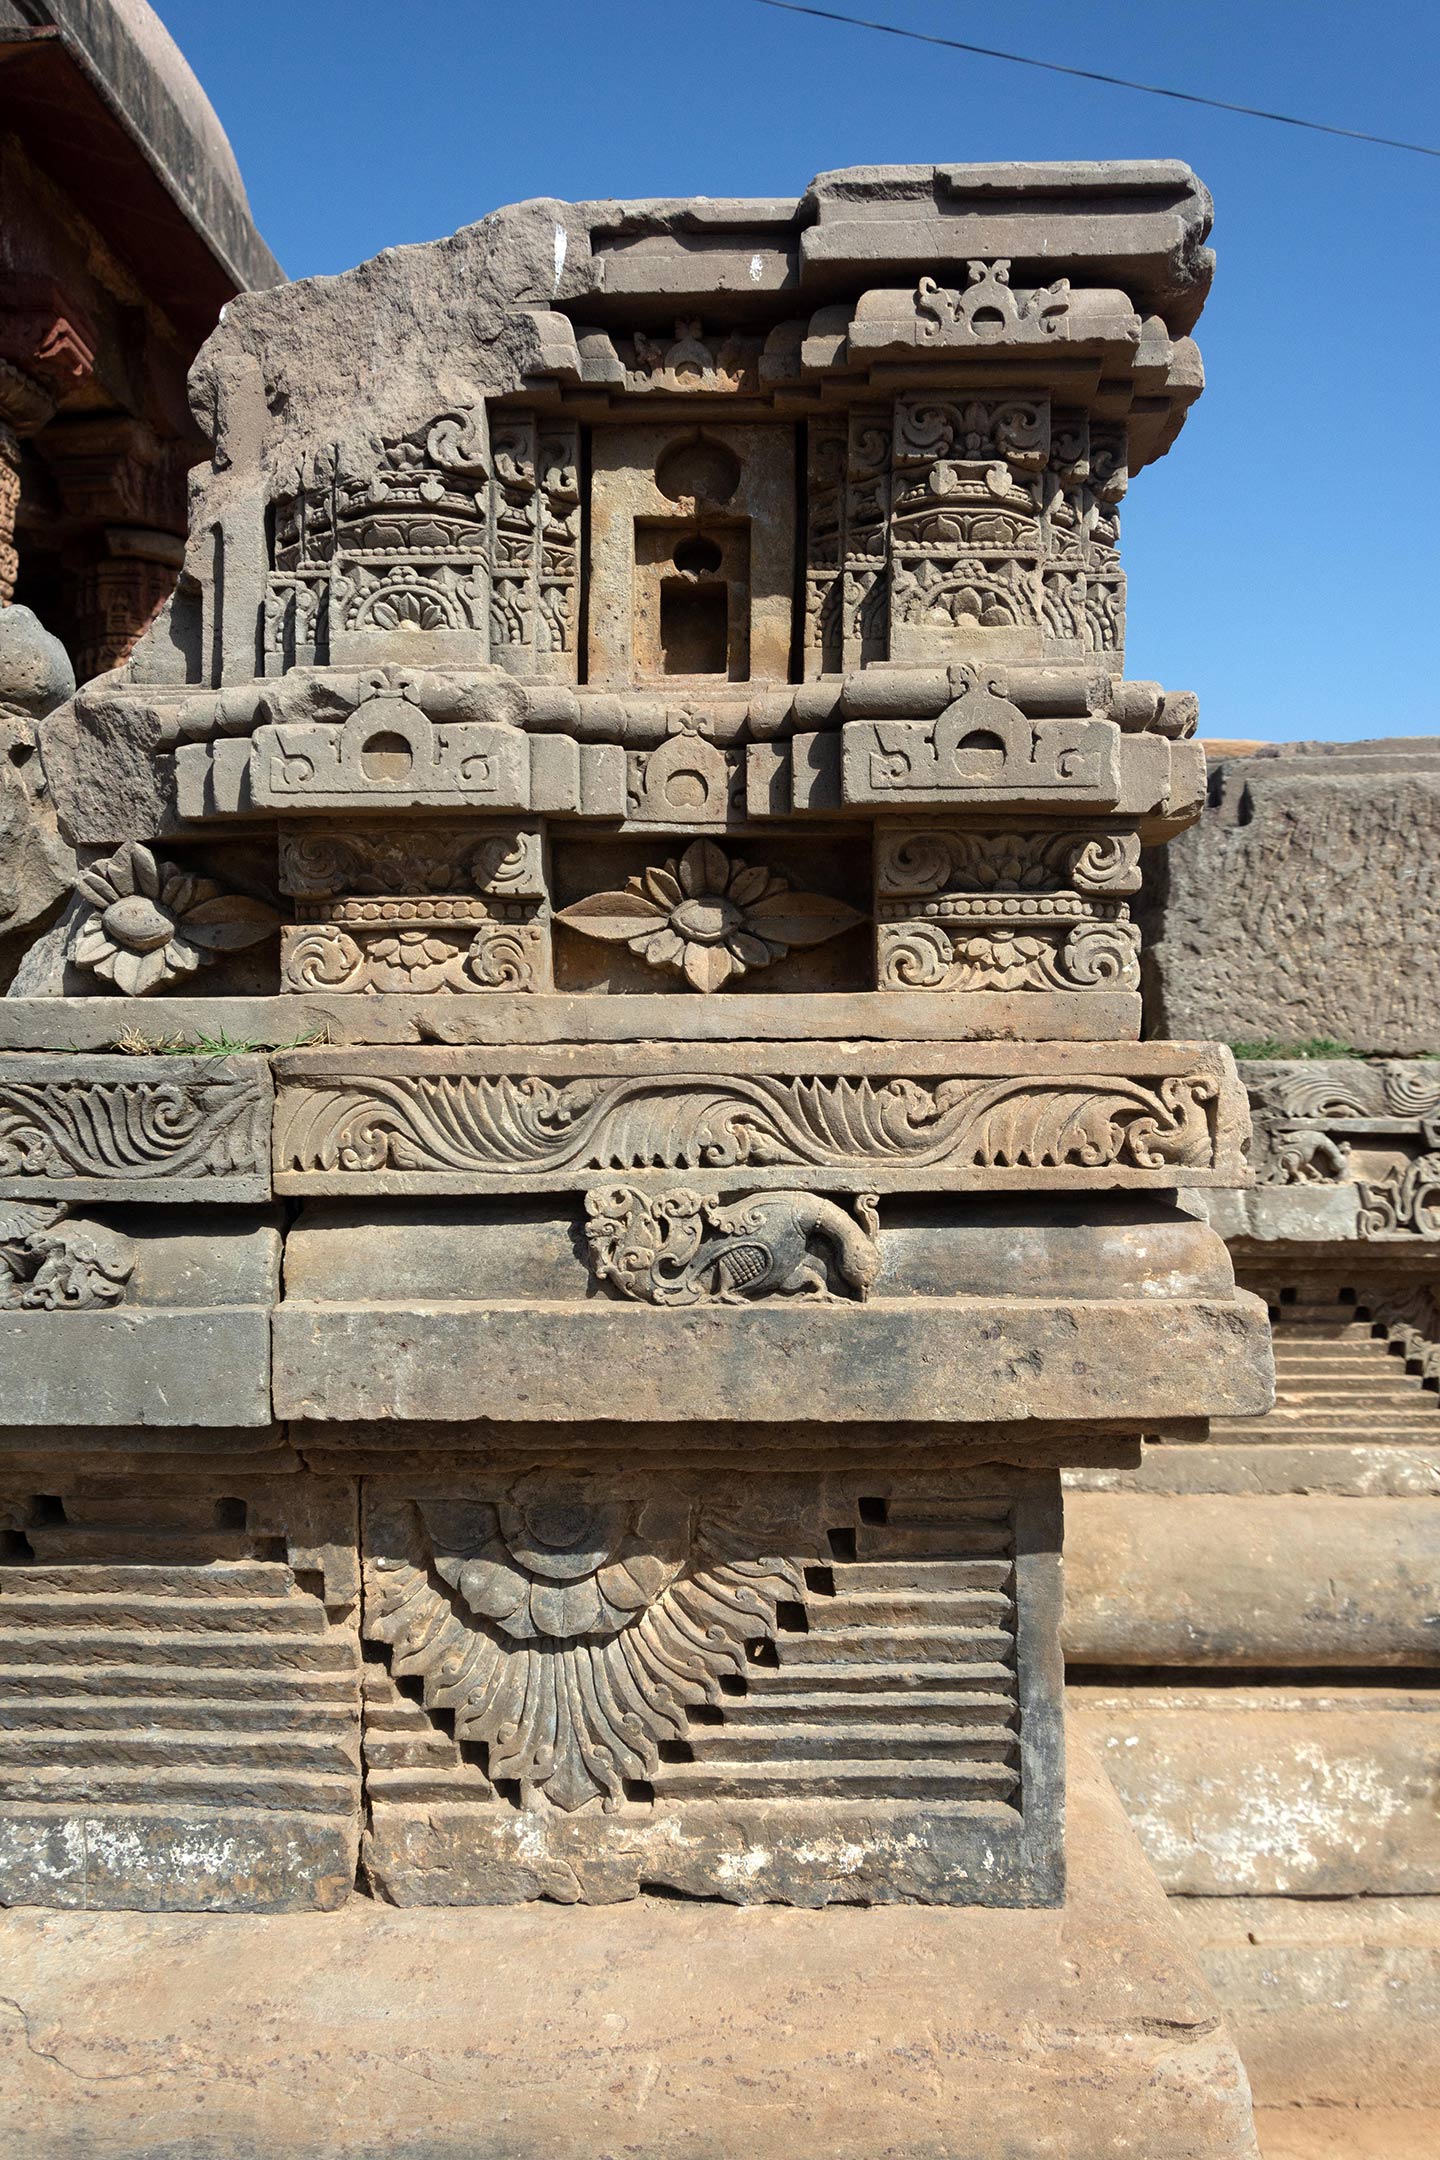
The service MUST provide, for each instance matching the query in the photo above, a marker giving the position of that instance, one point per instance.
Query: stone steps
(974, 1708)
(894, 1646)
(298, 1614)
(461, 1783)
(178, 1784)
(318, 1689)
(977, 1540)
(190, 1747)
(270, 1579)
(869, 1678)
(300, 1712)
(920, 1573)
(912, 1607)
(103, 1646)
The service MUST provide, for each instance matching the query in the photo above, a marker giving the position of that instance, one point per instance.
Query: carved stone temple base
(573, 1168)
(652, 2028)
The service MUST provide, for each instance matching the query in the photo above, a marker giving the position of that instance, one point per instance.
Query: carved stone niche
(691, 554)
(764, 1687)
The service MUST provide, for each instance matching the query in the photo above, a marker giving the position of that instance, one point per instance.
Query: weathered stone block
(967, 1360)
(657, 2016)
(1276, 1791)
(1335, 2003)
(1298, 1581)
(1314, 858)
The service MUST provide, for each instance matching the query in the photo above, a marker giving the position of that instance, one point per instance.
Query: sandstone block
(1223, 1580)
(1086, 2034)
(1265, 1792)
(1313, 858)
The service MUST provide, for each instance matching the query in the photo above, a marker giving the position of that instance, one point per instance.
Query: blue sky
(1284, 559)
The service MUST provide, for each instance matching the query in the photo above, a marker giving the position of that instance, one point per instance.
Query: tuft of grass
(136, 1044)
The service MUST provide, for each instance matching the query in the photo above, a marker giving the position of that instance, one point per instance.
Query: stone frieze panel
(135, 1128)
(983, 1117)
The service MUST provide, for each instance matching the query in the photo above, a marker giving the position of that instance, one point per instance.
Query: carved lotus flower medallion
(709, 918)
(151, 922)
(569, 1624)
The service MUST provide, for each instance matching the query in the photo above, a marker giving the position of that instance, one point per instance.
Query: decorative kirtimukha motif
(152, 923)
(709, 918)
(684, 1248)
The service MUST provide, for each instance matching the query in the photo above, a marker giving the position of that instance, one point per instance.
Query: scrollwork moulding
(523, 1129)
(133, 1128)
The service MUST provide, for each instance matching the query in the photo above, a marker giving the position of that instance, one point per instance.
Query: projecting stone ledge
(966, 1359)
(580, 2032)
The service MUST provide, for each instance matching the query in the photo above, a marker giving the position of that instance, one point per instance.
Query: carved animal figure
(763, 1244)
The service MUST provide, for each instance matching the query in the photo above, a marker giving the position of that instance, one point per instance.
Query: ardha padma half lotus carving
(707, 917)
(569, 1626)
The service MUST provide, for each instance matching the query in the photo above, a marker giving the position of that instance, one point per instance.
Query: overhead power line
(1116, 82)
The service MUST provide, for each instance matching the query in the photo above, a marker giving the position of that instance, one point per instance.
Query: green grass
(209, 1046)
(1318, 1046)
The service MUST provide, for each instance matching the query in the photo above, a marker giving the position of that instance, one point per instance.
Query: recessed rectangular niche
(691, 553)
(694, 628)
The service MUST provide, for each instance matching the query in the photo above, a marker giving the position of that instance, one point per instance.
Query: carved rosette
(709, 918)
(151, 923)
(569, 1626)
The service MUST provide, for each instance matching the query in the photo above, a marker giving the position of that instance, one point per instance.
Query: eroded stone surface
(842, 2033)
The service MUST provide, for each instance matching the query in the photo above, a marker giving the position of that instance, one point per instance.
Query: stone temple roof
(130, 62)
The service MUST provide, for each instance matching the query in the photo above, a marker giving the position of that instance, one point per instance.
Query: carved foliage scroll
(332, 1128)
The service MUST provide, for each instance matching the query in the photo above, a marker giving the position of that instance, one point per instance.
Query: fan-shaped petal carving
(572, 1686)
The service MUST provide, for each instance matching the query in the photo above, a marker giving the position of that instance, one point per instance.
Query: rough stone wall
(1306, 903)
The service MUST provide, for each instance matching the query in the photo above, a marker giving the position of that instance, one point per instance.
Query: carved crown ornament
(709, 918)
(570, 1626)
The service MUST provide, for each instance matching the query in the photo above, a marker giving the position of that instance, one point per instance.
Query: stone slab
(1314, 860)
(167, 1129)
(650, 2029)
(135, 1365)
(1361, 1470)
(176, 1859)
(1334, 2003)
(997, 1116)
(1346, 2133)
(1265, 1792)
(964, 1359)
(1293, 1581)
(49, 1023)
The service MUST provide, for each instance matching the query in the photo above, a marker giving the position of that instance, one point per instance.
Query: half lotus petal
(802, 918)
(708, 967)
